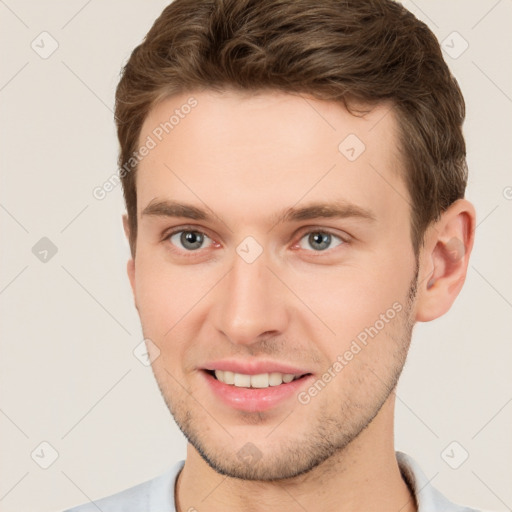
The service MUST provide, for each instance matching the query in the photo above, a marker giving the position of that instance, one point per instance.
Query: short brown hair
(336, 50)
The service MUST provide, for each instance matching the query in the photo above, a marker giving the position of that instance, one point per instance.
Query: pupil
(192, 238)
(320, 238)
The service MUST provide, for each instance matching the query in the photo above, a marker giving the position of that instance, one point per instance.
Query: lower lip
(255, 399)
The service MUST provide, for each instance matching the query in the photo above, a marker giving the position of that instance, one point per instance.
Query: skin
(245, 158)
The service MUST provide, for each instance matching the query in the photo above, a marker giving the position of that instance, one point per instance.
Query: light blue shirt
(157, 494)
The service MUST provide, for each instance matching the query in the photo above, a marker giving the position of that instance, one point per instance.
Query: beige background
(68, 374)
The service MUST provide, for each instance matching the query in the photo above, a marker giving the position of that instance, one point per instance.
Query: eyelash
(191, 254)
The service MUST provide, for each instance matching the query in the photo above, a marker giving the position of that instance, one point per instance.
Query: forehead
(288, 120)
(268, 148)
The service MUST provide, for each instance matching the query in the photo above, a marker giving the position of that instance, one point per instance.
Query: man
(294, 176)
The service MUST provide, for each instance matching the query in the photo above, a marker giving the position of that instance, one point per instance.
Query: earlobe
(444, 260)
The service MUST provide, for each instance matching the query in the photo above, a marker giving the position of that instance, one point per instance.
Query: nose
(251, 303)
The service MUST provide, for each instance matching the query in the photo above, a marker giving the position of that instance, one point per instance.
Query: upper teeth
(262, 380)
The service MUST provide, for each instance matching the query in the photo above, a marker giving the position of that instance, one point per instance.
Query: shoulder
(429, 499)
(154, 494)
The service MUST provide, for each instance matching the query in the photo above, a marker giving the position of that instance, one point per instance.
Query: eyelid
(187, 227)
(344, 236)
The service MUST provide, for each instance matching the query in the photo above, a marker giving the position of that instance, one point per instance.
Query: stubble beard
(326, 437)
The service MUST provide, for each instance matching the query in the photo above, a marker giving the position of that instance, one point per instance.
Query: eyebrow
(337, 209)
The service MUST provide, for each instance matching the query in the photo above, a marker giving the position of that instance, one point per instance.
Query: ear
(130, 266)
(444, 260)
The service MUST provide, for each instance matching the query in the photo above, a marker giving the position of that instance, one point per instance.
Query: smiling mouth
(259, 381)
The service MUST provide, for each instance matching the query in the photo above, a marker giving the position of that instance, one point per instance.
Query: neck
(363, 476)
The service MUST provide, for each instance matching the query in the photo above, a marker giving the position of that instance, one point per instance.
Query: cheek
(348, 299)
(160, 296)
(365, 308)
(162, 302)
(169, 296)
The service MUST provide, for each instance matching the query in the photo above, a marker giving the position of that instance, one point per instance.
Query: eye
(319, 240)
(190, 240)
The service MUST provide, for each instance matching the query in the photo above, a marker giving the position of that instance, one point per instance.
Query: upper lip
(254, 367)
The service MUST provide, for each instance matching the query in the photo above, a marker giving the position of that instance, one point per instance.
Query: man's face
(245, 285)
